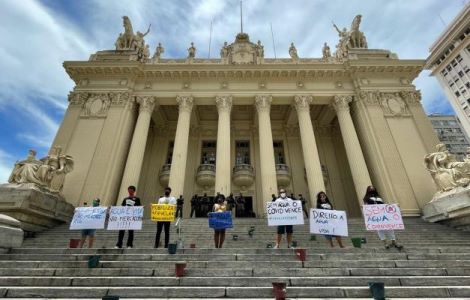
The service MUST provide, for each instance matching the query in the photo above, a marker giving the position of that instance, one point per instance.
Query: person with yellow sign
(167, 200)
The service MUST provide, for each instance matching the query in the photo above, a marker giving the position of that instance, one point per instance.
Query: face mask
(283, 195)
(167, 193)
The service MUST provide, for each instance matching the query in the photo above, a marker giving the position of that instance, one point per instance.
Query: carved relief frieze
(412, 98)
(77, 98)
(96, 106)
(393, 105)
(369, 97)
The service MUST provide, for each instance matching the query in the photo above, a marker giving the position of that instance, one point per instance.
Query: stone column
(222, 172)
(135, 157)
(357, 163)
(267, 163)
(309, 148)
(180, 150)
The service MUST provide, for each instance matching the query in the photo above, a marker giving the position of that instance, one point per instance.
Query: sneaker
(117, 247)
(129, 247)
(276, 246)
(399, 247)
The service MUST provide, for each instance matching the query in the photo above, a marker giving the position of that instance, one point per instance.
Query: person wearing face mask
(130, 200)
(324, 203)
(167, 199)
(219, 207)
(281, 229)
(373, 197)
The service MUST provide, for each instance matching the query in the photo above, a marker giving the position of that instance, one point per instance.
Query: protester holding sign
(373, 197)
(324, 203)
(90, 233)
(130, 200)
(281, 229)
(167, 199)
(219, 207)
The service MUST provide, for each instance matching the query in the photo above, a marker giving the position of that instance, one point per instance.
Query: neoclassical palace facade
(247, 124)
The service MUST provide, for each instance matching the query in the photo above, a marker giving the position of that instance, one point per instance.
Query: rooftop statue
(48, 172)
(130, 41)
(447, 172)
(293, 52)
(158, 51)
(326, 51)
(354, 38)
(192, 51)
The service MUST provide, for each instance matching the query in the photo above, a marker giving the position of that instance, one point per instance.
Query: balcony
(243, 175)
(283, 175)
(164, 176)
(205, 176)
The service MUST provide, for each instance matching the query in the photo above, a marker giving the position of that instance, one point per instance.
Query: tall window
(208, 152)
(242, 153)
(169, 155)
(279, 156)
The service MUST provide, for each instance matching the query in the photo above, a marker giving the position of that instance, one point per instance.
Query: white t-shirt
(325, 206)
(167, 200)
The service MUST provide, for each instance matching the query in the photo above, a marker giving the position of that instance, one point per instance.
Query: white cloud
(6, 166)
(36, 39)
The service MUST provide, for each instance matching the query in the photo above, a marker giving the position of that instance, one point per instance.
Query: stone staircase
(434, 264)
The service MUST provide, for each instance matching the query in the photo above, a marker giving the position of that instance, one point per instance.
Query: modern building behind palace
(247, 124)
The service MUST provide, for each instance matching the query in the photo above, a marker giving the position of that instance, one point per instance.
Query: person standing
(282, 229)
(90, 233)
(167, 199)
(204, 205)
(240, 206)
(193, 205)
(273, 197)
(304, 203)
(219, 207)
(324, 203)
(230, 202)
(373, 197)
(179, 207)
(131, 200)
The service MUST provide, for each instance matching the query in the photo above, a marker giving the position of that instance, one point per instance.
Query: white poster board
(382, 217)
(125, 218)
(328, 222)
(285, 212)
(88, 218)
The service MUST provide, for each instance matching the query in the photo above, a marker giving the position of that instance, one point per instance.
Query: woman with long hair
(373, 197)
(324, 203)
(219, 206)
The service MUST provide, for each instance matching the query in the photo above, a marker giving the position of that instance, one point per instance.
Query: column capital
(224, 103)
(302, 102)
(185, 103)
(341, 102)
(263, 103)
(146, 103)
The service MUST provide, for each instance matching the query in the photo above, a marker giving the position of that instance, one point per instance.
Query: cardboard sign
(125, 218)
(163, 212)
(220, 220)
(88, 218)
(382, 217)
(328, 222)
(285, 212)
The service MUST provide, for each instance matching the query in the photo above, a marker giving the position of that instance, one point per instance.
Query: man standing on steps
(130, 200)
(281, 229)
(179, 207)
(167, 199)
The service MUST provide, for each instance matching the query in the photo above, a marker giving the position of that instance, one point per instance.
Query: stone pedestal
(35, 209)
(452, 209)
(11, 235)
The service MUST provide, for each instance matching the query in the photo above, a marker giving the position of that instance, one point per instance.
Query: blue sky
(37, 36)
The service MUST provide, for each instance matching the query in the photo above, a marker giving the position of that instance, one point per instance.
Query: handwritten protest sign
(125, 218)
(220, 220)
(88, 218)
(163, 212)
(284, 213)
(328, 222)
(382, 217)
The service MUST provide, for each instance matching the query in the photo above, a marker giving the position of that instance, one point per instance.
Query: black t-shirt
(179, 201)
(374, 200)
(131, 201)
